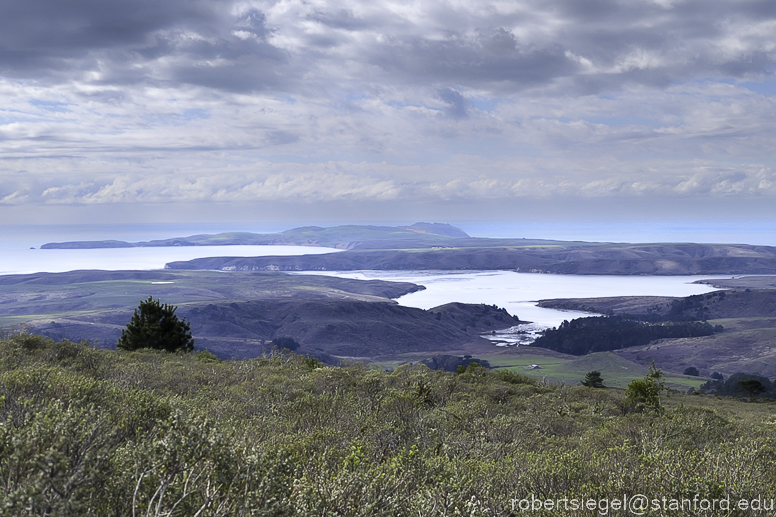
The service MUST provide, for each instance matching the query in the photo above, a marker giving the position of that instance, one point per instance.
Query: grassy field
(747, 345)
(558, 369)
(616, 371)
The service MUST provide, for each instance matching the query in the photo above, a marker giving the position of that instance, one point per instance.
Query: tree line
(604, 333)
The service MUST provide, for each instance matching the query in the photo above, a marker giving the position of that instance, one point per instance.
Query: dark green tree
(593, 380)
(751, 386)
(155, 325)
(288, 343)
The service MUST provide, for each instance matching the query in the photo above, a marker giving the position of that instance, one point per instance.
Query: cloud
(324, 101)
(588, 45)
(456, 103)
(368, 182)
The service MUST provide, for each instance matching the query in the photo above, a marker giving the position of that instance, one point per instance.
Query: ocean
(20, 247)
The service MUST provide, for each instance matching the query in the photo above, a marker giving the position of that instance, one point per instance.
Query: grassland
(617, 371)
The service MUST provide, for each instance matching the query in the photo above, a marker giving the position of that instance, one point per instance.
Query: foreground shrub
(151, 433)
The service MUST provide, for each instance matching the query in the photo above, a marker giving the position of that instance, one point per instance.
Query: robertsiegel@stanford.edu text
(640, 504)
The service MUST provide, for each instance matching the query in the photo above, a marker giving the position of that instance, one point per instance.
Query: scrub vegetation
(99, 432)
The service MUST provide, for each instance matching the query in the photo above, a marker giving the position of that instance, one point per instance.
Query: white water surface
(20, 247)
(113, 259)
(519, 292)
(21, 261)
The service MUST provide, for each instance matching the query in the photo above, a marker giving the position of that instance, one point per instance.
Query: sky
(221, 110)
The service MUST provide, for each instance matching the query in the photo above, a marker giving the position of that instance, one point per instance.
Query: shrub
(645, 393)
(206, 355)
(751, 386)
(511, 377)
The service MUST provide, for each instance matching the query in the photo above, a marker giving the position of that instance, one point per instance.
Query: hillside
(325, 328)
(237, 314)
(97, 432)
(560, 258)
(733, 303)
(75, 292)
(345, 237)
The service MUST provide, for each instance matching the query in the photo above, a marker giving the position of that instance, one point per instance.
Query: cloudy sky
(463, 109)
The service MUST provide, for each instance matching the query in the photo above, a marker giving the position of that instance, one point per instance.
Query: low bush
(151, 433)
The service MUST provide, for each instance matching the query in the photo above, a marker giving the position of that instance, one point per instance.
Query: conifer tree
(155, 325)
(593, 380)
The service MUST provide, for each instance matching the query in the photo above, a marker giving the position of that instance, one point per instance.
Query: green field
(616, 371)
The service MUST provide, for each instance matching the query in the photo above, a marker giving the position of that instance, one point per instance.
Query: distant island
(343, 237)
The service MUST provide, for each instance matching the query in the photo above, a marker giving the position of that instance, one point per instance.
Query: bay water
(519, 292)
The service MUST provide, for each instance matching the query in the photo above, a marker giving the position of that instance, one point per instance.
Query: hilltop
(344, 237)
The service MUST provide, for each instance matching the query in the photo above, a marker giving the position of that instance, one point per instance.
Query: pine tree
(593, 380)
(155, 325)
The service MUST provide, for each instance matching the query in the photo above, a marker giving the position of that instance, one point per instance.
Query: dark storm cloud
(136, 41)
(37, 33)
(584, 45)
(474, 64)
